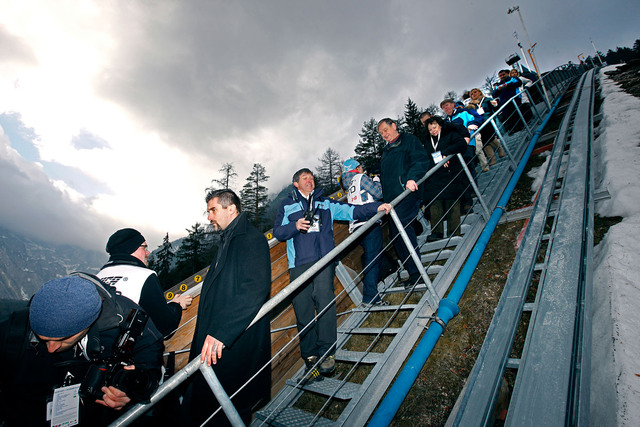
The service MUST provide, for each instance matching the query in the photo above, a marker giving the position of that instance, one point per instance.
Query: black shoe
(434, 237)
(311, 374)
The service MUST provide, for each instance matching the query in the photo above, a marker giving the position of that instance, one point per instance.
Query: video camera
(138, 384)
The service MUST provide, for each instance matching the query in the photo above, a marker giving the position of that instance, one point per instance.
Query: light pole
(531, 54)
(597, 54)
(521, 50)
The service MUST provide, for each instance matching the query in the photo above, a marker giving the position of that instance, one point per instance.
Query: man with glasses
(127, 270)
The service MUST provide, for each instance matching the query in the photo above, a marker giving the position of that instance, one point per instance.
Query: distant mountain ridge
(25, 264)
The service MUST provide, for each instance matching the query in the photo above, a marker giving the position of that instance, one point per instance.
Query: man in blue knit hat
(71, 326)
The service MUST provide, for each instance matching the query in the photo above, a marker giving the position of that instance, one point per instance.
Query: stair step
(370, 331)
(358, 356)
(387, 307)
(329, 387)
(290, 417)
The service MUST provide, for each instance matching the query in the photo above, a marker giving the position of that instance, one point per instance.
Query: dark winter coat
(36, 372)
(303, 248)
(403, 160)
(236, 286)
(450, 143)
(505, 90)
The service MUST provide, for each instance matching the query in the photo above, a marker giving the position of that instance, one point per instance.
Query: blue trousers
(371, 243)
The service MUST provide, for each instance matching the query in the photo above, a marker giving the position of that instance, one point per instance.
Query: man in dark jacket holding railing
(404, 161)
(236, 286)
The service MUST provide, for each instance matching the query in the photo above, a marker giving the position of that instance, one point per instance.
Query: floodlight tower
(531, 54)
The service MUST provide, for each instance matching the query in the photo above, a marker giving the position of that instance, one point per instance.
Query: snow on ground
(616, 294)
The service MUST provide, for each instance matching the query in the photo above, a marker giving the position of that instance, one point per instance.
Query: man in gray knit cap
(66, 318)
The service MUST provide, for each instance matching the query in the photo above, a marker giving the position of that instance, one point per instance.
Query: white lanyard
(435, 145)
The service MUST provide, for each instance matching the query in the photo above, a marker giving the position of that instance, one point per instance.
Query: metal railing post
(503, 142)
(526, 126)
(228, 408)
(432, 295)
(476, 190)
(168, 386)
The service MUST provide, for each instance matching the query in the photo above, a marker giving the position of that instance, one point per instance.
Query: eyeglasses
(145, 247)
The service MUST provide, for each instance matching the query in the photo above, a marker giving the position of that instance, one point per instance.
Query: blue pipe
(448, 307)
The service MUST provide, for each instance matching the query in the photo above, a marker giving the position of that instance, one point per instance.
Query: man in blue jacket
(305, 222)
(504, 90)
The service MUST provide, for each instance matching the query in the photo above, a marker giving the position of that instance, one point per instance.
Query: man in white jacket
(127, 270)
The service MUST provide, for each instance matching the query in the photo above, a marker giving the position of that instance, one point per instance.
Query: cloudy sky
(118, 114)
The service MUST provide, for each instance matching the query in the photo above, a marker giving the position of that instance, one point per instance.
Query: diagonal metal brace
(432, 296)
(476, 190)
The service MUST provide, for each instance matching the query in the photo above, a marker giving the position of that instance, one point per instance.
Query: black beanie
(124, 241)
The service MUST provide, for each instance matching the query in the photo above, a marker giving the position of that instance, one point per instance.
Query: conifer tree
(163, 260)
(228, 174)
(254, 196)
(369, 148)
(412, 118)
(191, 253)
(328, 172)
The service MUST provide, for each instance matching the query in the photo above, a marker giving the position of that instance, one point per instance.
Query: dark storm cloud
(209, 76)
(31, 205)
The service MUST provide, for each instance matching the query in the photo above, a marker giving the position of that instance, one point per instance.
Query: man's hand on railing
(211, 351)
(411, 185)
(386, 207)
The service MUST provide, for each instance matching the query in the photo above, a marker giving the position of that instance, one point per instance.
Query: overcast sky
(119, 113)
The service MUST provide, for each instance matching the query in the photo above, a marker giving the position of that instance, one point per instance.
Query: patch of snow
(615, 381)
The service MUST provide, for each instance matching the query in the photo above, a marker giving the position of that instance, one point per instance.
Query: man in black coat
(237, 284)
(404, 162)
(46, 351)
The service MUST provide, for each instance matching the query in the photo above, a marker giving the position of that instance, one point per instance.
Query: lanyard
(435, 145)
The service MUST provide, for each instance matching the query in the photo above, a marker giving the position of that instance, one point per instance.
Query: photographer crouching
(78, 355)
